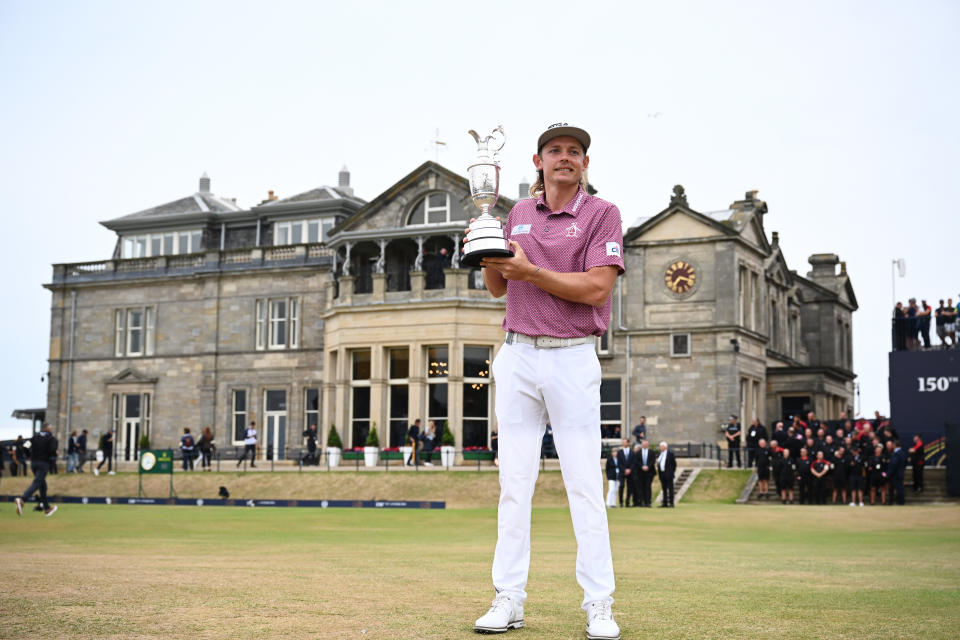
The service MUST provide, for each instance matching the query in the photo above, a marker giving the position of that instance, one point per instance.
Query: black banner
(203, 502)
(924, 397)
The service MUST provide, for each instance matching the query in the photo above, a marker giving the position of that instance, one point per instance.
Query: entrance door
(794, 406)
(275, 430)
(131, 426)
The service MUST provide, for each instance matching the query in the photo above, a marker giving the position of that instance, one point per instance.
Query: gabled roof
(130, 375)
(412, 180)
(197, 207)
(322, 193)
(842, 292)
(678, 205)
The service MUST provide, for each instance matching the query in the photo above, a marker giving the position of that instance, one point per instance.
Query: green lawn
(697, 571)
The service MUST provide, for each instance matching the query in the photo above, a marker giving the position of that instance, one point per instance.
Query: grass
(698, 571)
(717, 486)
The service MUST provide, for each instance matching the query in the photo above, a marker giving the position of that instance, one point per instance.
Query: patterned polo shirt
(587, 232)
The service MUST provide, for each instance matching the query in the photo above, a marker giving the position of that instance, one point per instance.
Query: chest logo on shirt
(520, 229)
(573, 231)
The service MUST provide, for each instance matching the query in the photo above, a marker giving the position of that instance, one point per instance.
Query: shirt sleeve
(606, 242)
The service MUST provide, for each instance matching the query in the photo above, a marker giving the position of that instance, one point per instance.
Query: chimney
(343, 181)
(270, 196)
(524, 190)
(776, 239)
(824, 266)
(204, 183)
(843, 268)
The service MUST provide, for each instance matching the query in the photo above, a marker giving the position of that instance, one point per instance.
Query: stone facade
(376, 324)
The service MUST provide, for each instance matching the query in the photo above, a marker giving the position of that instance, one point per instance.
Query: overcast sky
(844, 115)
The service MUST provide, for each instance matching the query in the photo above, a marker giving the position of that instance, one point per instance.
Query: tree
(446, 438)
(333, 438)
(144, 442)
(372, 439)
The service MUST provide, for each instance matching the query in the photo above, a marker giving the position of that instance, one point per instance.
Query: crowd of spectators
(835, 462)
(912, 324)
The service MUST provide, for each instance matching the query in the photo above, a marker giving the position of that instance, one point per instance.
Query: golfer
(568, 249)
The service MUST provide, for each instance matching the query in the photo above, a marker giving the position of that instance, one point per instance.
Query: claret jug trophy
(485, 239)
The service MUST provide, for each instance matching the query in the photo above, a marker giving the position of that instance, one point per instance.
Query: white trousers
(613, 487)
(563, 384)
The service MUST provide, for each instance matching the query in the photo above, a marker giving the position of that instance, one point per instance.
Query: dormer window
(302, 231)
(161, 244)
(435, 208)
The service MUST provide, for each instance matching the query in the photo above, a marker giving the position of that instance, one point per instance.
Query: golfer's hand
(515, 268)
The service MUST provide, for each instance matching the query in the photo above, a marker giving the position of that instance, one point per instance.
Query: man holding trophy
(556, 260)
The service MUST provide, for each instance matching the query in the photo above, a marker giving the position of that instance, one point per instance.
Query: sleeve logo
(613, 249)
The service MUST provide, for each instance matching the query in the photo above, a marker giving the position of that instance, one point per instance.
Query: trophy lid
(484, 151)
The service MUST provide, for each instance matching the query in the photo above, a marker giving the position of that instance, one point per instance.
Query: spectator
(941, 322)
(82, 449)
(763, 468)
(819, 470)
(72, 457)
(917, 461)
(495, 447)
(896, 470)
(805, 477)
(899, 328)
(311, 436)
(413, 437)
(776, 463)
(20, 455)
(429, 439)
(855, 469)
(640, 431)
(624, 460)
(838, 473)
(187, 448)
(666, 467)
(923, 322)
(732, 434)
(250, 445)
(643, 473)
(779, 434)
(788, 475)
(950, 321)
(756, 433)
(877, 475)
(612, 479)
(43, 447)
(206, 447)
(106, 453)
(913, 324)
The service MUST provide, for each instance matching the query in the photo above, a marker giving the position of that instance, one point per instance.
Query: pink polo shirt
(587, 232)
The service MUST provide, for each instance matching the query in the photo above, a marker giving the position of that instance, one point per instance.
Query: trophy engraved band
(485, 239)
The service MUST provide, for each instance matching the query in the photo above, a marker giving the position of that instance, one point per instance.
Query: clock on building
(680, 277)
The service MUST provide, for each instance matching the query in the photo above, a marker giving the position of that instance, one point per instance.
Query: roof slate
(196, 203)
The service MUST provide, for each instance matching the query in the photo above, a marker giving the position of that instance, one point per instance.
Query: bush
(372, 439)
(144, 442)
(447, 438)
(333, 438)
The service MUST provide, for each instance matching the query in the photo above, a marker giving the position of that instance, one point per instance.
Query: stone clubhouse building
(326, 309)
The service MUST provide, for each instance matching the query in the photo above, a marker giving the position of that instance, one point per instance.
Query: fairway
(698, 571)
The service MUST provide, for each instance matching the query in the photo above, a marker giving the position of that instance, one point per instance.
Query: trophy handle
(475, 135)
(502, 137)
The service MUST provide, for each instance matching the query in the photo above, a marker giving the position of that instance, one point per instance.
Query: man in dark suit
(896, 470)
(644, 462)
(666, 469)
(624, 460)
(755, 434)
(413, 438)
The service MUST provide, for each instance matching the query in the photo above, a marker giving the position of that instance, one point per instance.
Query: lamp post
(897, 265)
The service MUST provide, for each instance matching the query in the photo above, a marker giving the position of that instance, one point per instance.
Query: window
(679, 345)
(742, 295)
(277, 323)
(399, 398)
(603, 343)
(359, 396)
(755, 307)
(611, 418)
(476, 396)
(436, 208)
(238, 415)
(311, 409)
(162, 244)
(134, 330)
(437, 391)
(302, 231)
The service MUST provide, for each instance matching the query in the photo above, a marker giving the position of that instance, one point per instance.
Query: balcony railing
(207, 261)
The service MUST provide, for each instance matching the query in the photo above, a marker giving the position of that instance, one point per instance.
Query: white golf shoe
(505, 614)
(600, 623)
(19, 504)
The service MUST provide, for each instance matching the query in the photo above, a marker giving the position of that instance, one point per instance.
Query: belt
(546, 342)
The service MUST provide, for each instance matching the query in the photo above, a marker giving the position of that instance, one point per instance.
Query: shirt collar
(576, 203)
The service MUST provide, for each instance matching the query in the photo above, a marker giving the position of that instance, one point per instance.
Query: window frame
(122, 333)
(233, 414)
(621, 423)
(473, 381)
(676, 354)
(141, 245)
(266, 324)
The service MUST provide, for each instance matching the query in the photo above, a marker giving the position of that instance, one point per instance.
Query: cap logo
(557, 124)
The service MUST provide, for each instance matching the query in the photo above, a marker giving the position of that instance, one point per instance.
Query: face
(819, 455)
(645, 444)
(663, 447)
(562, 161)
(626, 443)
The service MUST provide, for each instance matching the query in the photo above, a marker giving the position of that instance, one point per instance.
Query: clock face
(680, 277)
(147, 461)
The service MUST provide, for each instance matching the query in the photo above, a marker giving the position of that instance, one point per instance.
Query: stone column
(455, 281)
(346, 289)
(379, 286)
(417, 283)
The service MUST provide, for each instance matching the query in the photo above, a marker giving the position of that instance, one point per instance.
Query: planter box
(447, 456)
(478, 455)
(391, 455)
(333, 456)
(353, 455)
(371, 456)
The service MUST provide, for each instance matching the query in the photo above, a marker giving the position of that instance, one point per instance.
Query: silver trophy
(485, 239)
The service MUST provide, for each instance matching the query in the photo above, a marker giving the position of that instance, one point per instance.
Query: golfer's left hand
(515, 268)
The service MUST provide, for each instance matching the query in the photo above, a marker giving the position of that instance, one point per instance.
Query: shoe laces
(601, 611)
(501, 603)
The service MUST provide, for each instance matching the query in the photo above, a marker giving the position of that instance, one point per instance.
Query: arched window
(436, 208)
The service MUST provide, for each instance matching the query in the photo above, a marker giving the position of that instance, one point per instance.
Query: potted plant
(477, 453)
(334, 447)
(371, 452)
(447, 449)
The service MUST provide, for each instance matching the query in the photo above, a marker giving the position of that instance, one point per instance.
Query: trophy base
(473, 258)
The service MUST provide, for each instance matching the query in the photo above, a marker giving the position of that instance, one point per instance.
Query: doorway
(794, 406)
(275, 424)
